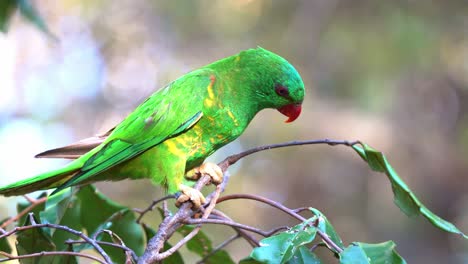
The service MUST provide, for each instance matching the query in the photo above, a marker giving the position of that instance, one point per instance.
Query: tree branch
(151, 206)
(248, 237)
(49, 253)
(64, 228)
(34, 203)
(283, 208)
(184, 215)
(236, 157)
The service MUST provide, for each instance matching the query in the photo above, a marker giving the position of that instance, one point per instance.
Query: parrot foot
(208, 168)
(190, 194)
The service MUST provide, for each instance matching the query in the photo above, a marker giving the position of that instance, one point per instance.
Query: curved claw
(208, 168)
(190, 194)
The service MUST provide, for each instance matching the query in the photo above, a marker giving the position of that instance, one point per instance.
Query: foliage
(26, 9)
(102, 220)
(75, 220)
(404, 198)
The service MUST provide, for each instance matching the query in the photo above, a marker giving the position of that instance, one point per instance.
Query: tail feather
(48, 180)
(75, 150)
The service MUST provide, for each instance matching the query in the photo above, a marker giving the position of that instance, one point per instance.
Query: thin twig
(283, 208)
(301, 209)
(115, 236)
(167, 228)
(29, 199)
(49, 253)
(248, 237)
(195, 231)
(151, 206)
(166, 211)
(235, 224)
(64, 228)
(34, 203)
(170, 223)
(125, 248)
(228, 223)
(263, 200)
(235, 158)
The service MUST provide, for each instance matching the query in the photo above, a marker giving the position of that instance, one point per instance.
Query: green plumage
(177, 127)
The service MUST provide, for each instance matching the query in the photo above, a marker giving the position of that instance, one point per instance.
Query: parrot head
(274, 81)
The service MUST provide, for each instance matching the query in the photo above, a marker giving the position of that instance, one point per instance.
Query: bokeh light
(390, 73)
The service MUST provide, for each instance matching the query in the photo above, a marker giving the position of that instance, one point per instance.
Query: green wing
(166, 113)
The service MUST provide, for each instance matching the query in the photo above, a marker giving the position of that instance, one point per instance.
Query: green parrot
(168, 136)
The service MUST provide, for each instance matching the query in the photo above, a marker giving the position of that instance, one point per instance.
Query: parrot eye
(282, 91)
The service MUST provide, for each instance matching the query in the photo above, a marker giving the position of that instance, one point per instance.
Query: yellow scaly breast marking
(231, 115)
(173, 148)
(211, 96)
(181, 141)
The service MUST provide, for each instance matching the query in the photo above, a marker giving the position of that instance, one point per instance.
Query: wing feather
(168, 112)
(75, 150)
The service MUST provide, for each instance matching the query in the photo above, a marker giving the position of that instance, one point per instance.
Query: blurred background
(393, 74)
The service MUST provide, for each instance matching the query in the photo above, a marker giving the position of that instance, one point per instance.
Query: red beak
(292, 111)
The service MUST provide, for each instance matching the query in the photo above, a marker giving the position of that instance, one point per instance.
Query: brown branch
(183, 216)
(263, 200)
(199, 222)
(121, 244)
(248, 237)
(235, 158)
(34, 203)
(195, 231)
(167, 228)
(64, 228)
(48, 253)
(283, 208)
(171, 223)
(29, 199)
(151, 207)
(125, 248)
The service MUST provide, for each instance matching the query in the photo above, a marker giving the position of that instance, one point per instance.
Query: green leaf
(56, 206)
(30, 13)
(123, 224)
(404, 197)
(7, 8)
(92, 211)
(63, 209)
(99, 212)
(175, 258)
(220, 256)
(364, 253)
(201, 245)
(22, 205)
(69, 259)
(304, 256)
(35, 240)
(325, 226)
(4, 244)
(281, 247)
(96, 209)
(249, 260)
(354, 255)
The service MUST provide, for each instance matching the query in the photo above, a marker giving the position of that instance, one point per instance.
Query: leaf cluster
(70, 224)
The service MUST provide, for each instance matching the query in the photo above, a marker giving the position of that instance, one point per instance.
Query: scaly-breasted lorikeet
(177, 127)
